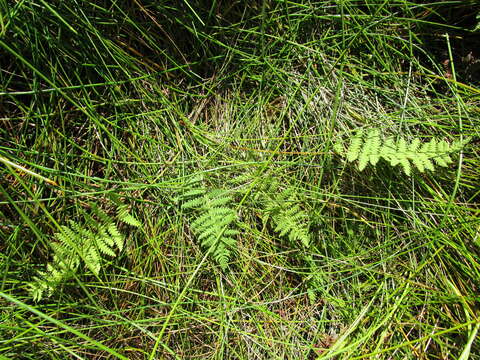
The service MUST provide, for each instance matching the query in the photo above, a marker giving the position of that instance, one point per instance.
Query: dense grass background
(137, 97)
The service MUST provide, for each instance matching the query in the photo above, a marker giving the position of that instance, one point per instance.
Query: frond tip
(369, 148)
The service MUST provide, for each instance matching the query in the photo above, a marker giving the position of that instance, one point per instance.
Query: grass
(139, 98)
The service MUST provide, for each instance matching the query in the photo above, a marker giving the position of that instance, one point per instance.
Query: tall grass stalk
(138, 99)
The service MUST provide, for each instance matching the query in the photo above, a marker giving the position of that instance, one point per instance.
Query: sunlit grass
(136, 98)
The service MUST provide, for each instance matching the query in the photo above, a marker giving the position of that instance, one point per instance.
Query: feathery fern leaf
(214, 223)
(339, 146)
(389, 150)
(283, 208)
(103, 247)
(374, 147)
(370, 148)
(291, 222)
(116, 236)
(76, 243)
(193, 203)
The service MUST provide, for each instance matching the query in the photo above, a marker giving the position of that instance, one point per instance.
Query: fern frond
(216, 202)
(214, 225)
(339, 146)
(105, 236)
(283, 208)
(291, 222)
(374, 146)
(442, 159)
(414, 145)
(389, 150)
(93, 260)
(371, 148)
(68, 237)
(60, 249)
(100, 214)
(418, 159)
(39, 286)
(214, 222)
(212, 215)
(364, 157)
(36, 289)
(78, 243)
(193, 193)
(193, 203)
(103, 246)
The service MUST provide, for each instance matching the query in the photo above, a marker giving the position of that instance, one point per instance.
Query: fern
(214, 222)
(355, 146)
(283, 208)
(370, 148)
(291, 222)
(76, 243)
(124, 216)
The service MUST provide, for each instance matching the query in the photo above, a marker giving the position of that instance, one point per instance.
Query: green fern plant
(214, 222)
(282, 207)
(86, 243)
(289, 219)
(369, 147)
